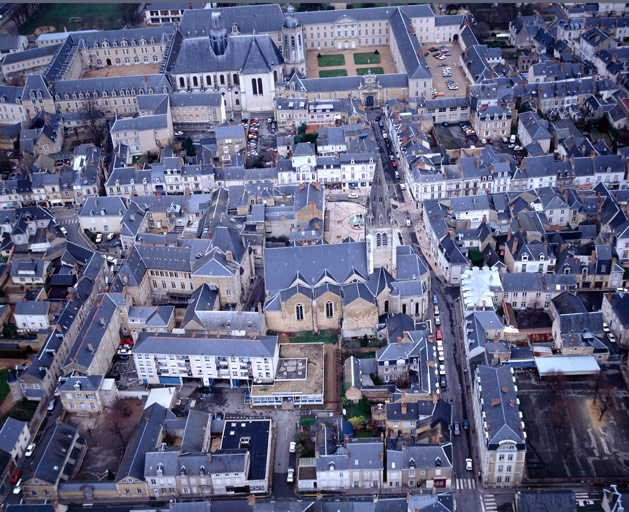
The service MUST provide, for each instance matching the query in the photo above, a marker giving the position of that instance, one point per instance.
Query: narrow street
(464, 483)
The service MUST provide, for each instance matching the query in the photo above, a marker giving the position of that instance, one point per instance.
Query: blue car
(434, 299)
(117, 243)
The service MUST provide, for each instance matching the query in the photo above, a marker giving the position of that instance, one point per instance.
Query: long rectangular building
(170, 358)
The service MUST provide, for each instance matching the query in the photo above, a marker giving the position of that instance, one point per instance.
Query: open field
(95, 16)
(351, 61)
(137, 69)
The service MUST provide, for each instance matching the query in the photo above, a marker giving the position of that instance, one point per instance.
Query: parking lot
(571, 439)
(453, 62)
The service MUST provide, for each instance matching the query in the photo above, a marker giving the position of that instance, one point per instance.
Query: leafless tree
(554, 383)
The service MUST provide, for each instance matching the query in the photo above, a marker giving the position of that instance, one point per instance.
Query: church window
(208, 80)
(384, 239)
(329, 309)
(235, 79)
(299, 311)
(222, 79)
(386, 306)
(260, 91)
(254, 86)
(378, 240)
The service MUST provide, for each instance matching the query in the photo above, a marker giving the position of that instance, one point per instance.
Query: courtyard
(349, 62)
(571, 436)
(136, 69)
(107, 435)
(343, 217)
(453, 62)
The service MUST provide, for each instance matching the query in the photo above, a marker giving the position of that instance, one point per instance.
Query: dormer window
(525, 257)
(541, 257)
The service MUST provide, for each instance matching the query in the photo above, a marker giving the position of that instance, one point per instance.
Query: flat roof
(568, 365)
(312, 385)
(252, 435)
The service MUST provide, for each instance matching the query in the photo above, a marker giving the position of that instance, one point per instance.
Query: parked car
(443, 382)
(439, 334)
(290, 478)
(408, 223)
(517, 148)
(436, 309)
(512, 139)
(457, 429)
(51, 404)
(178, 133)
(353, 195)
(466, 424)
(435, 300)
(16, 476)
(611, 337)
(437, 321)
(18, 487)
(127, 341)
(64, 231)
(402, 187)
(291, 447)
(468, 464)
(99, 238)
(30, 449)
(483, 141)
(605, 328)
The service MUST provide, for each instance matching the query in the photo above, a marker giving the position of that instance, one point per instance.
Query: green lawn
(4, 387)
(375, 71)
(331, 60)
(326, 336)
(331, 73)
(95, 16)
(366, 58)
(23, 411)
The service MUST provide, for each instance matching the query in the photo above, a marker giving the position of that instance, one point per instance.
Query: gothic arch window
(222, 79)
(254, 86)
(260, 90)
(384, 239)
(299, 311)
(235, 79)
(378, 240)
(208, 80)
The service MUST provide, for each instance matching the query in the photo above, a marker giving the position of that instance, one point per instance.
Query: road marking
(489, 503)
(465, 483)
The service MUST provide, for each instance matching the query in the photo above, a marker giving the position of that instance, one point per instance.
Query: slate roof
(249, 54)
(49, 463)
(249, 19)
(219, 346)
(543, 499)
(283, 264)
(500, 405)
(620, 305)
(145, 437)
(10, 433)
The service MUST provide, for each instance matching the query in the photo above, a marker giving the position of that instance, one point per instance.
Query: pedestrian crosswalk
(69, 221)
(581, 496)
(489, 503)
(465, 483)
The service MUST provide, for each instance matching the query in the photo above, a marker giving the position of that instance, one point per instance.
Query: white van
(408, 223)
(512, 139)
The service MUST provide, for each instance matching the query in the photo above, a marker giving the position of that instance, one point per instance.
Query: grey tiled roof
(10, 433)
(219, 346)
(261, 18)
(500, 405)
(33, 53)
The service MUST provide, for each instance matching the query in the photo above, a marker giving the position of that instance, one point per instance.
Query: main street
(465, 484)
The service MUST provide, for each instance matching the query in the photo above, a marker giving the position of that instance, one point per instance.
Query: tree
(605, 404)
(129, 13)
(188, 145)
(555, 382)
(95, 125)
(358, 422)
(365, 341)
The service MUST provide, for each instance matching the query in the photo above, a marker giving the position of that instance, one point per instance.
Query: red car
(394, 163)
(15, 477)
(127, 341)
(439, 335)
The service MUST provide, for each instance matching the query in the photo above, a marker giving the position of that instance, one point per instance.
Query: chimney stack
(404, 409)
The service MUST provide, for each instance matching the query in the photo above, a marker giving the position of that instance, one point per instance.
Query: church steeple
(379, 203)
(381, 234)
